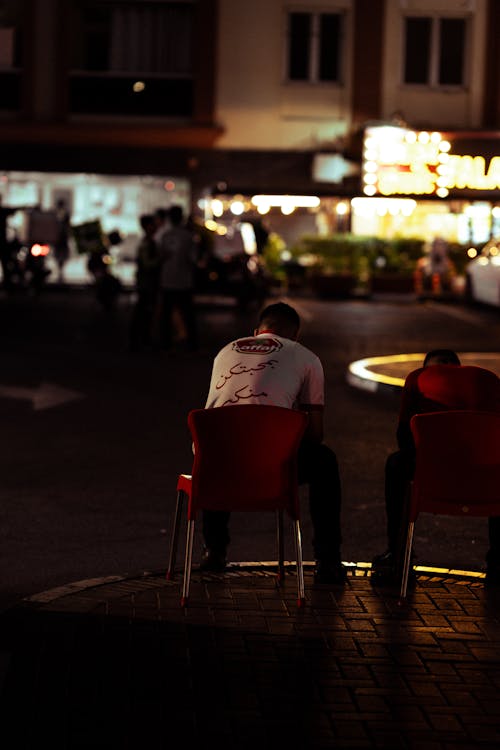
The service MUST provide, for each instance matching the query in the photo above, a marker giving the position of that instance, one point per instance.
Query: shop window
(435, 51)
(133, 59)
(314, 47)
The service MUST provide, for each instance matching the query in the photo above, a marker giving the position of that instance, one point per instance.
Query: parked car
(483, 274)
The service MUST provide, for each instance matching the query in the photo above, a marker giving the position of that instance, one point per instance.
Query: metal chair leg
(187, 563)
(300, 568)
(281, 546)
(407, 560)
(175, 536)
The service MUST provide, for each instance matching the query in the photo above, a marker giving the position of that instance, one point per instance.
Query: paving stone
(242, 667)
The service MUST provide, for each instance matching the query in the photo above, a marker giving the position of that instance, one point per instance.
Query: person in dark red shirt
(441, 384)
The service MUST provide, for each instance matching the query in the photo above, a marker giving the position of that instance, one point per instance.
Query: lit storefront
(429, 184)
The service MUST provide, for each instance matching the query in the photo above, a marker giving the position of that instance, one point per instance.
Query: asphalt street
(93, 436)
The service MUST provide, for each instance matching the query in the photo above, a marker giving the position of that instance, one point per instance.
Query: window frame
(314, 62)
(435, 51)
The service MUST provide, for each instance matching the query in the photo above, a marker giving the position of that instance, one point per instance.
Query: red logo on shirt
(258, 345)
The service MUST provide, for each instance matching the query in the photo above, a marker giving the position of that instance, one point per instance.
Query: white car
(483, 274)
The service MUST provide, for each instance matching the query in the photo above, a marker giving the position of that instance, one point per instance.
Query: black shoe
(384, 566)
(213, 562)
(492, 575)
(329, 572)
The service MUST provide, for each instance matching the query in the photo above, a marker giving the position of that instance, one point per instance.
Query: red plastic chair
(457, 469)
(245, 460)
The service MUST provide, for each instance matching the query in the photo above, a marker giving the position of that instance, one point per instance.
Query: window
(314, 47)
(434, 52)
(134, 59)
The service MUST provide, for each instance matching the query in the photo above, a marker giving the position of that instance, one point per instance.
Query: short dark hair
(442, 357)
(146, 220)
(280, 317)
(176, 215)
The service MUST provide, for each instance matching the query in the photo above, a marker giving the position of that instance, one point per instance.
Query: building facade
(230, 99)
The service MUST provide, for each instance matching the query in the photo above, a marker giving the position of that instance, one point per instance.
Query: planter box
(327, 287)
(392, 282)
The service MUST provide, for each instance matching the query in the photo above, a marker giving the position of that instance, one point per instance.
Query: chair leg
(187, 563)
(281, 546)
(407, 560)
(175, 536)
(300, 569)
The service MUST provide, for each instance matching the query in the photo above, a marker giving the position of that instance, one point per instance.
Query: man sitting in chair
(442, 384)
(272, 368)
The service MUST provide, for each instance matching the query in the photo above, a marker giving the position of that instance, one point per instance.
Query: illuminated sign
(398, 161)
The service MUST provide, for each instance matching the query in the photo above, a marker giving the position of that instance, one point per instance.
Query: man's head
(148, 223)
(441, 357)
(176, 215)
(281, 319)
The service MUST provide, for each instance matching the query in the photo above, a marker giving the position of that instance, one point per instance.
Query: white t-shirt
(266, 369)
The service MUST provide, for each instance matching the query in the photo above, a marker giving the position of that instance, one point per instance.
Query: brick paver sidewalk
(120, 665)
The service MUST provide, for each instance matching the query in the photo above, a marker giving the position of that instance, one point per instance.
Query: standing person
(441, 384)
(271, 367)
(7, 248)
(147, 277)
(177, 251)
(61, 247)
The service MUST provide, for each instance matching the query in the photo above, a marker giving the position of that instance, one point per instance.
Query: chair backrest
(245, 458)
(457, 468)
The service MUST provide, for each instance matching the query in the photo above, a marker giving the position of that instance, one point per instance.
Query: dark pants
(399, 470)
(317, 467)
(181, 300)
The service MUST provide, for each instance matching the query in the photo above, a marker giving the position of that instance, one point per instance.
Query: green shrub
(357, 255)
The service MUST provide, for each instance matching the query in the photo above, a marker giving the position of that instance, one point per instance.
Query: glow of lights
(369, 190)
(299, 201)
(222, 230)
(40, 250)
(493, 250)
(442, 192)
(496, 260)
(217, 207)
(138, 86)
(411, 137)
(263, 208)
(248, 237)
(202, 204)
(287, 209)
(495, 211)
(169, 185)
(286, 255)
(424, 137)
(360, 368)
(370, 178)
(370, 166)
(341, 209)
(483, 261)
(237, 208)
(370, 154)
(472, 252)
(444, 146)
(211, 225)
(435, 137)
